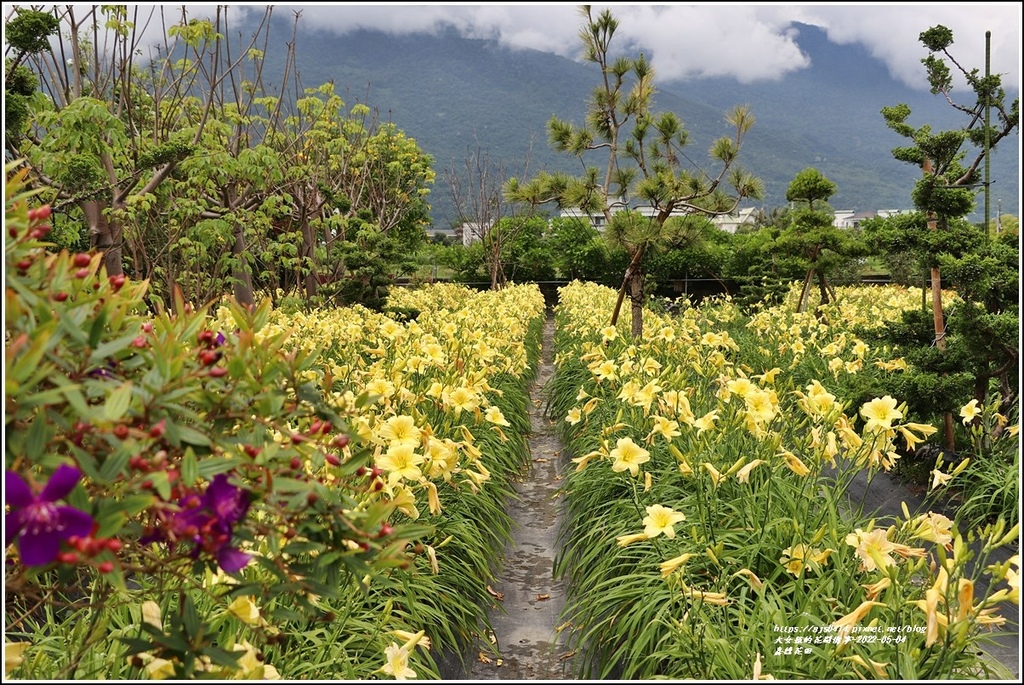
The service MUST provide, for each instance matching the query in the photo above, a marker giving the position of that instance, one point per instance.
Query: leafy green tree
(529, 255)
(979, 341)
(812, 234)
(1004, 223)
(476, 193)
(28, 33)
(898, 241)
(643, 159)
(697, 249)
(946, 189)
(579, 252)
(116, 126)
(346, 173)
(762, 272)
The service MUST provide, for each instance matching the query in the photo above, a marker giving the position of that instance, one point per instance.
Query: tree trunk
(823, 289)
(309, 261)
(242, 281)
(634, 267)
(636, 296)
(104, 235)
(937, 315)
(805, 291)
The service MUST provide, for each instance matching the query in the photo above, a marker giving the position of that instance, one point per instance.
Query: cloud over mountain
(746, 42)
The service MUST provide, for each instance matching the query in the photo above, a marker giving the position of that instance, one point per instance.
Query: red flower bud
(332, 459)
(60, 297)
(120, 431)
(105, 567)
(158, 429)
(82, 273)
(295, 463)
(209, 357)
(218, 371)
(117, 281)
(82, 259)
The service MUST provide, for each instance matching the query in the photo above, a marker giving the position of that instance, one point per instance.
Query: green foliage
(579, 252)
(810, 186)
(977, 341)
(20, 85)
(527, 256)
(989, 487)
(642, 153)
(752, 551)
(150, 408)
(29, 31)
(763, 274)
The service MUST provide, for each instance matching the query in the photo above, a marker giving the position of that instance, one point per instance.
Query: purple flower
(208, 522)
(37, 521)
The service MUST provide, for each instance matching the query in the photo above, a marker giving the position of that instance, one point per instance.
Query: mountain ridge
(451, 94)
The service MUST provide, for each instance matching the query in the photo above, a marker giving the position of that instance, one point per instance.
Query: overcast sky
(749, 42)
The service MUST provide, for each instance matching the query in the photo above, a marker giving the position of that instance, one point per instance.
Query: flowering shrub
(710, 534)
(226, 492)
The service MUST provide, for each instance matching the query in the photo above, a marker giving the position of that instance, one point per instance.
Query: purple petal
(73, 521)
(14, 521)
(61, 483)
(38, 547)
(232, 560)
(17, 493)
(227, 502)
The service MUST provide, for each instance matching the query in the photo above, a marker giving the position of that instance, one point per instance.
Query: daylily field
(230, 493)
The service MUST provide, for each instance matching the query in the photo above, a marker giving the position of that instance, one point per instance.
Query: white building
(725, 222)
(848, 218)
(472, 232)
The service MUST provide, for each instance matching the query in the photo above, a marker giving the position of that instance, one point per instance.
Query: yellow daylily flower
(743, 475)
(795, 464)
(667, 567)
(970, 411)
(245, 610)
(661, 520)
(14, 655)
(872, 547)
(396, 662)
(624, 540)
(880, 413)
(857, 615)
(400, 430)
(876, 667)
(627, 456)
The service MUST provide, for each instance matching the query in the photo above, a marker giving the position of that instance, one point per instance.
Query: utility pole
(988, 131)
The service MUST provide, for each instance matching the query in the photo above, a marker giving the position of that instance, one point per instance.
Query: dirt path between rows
(526, 644)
